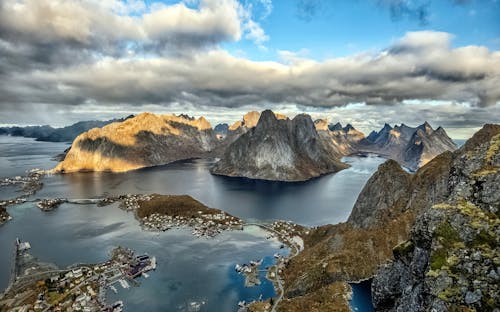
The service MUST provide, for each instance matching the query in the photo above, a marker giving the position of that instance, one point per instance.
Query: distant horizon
(362, 62)
(366, 131)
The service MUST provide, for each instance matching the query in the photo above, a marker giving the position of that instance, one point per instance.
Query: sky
(364, 62)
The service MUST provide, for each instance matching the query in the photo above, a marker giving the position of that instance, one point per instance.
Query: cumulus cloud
(110, 53)
(117, 27)
(421, 65)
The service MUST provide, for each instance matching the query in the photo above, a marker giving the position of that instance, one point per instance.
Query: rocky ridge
(440, 225)
(411, 147)
(452, 260)
(142, 141)
(279, 149)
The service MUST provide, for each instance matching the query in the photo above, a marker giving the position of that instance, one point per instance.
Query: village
(50, 204)
(28, 185)
(37, 286)
(165, 212)
(290, 235)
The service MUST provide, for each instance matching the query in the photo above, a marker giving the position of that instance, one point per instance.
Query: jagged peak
(348, 127)
(303, 118)
(386, 127)
(267, 118)
(426, 127)
(372, 136)
(251, 119)
(335, 127)
(186, 116)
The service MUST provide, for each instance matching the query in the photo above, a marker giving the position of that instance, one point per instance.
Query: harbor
(38, 286)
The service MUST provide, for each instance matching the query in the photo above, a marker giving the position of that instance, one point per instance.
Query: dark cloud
(112, 62)
(421, 65)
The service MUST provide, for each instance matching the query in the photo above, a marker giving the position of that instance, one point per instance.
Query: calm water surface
(190, 269)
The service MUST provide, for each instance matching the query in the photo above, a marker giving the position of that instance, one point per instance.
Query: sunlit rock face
(341, 140)
(143, 141)
(279, 149)
(411, 147)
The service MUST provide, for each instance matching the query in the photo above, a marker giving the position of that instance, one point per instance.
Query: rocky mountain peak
(278, 149)
(251, 119)
(426, 127)
(386, 128)
(348, 127)
(335, 127)
(449, 261)
(321, 124)
(372, 136)
(267, 120)
(142, 141)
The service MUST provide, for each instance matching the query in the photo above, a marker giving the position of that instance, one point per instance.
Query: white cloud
(93, 22)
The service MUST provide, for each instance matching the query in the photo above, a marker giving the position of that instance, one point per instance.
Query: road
(296, 249)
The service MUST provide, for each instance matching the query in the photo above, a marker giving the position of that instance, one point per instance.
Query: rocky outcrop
(279, 149)
(411, 147)
(451, 261)
(440, 225)
(4, 215)
(143, 141)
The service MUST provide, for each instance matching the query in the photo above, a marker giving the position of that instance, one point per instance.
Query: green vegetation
(174, 205)
(438, 258)
(494, 148)
(446, 234)
(403, 249)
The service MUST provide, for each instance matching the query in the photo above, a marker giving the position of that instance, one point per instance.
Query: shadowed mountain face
(411, 147)
(279, 149)
(439, 227)
(142, 141)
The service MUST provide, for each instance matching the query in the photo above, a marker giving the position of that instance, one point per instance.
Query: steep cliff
(142, 141)
(279, 149)
(449, 261)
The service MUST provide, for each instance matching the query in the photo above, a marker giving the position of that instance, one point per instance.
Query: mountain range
(411, 147)
(64, 134)
(267, 145)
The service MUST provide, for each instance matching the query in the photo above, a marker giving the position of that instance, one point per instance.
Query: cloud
(114, 27)
(421, 65)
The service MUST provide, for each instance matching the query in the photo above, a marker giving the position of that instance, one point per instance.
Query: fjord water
(191, 271)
